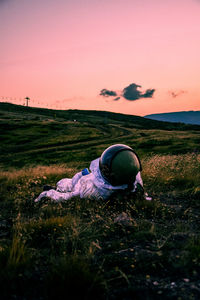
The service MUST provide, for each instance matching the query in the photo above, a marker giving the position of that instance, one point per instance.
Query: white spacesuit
(93, 184)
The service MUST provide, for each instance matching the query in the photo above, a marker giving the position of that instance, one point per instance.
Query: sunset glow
(62, 53)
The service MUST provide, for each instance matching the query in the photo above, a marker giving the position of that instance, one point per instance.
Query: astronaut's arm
(56, 196)
(139, 179)
(139, 186)
(68, 188)
(68, 185)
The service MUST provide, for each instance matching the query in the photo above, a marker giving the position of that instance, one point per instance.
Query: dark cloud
(175, 94)
(107, 93)
(132, 93)
(149, 93)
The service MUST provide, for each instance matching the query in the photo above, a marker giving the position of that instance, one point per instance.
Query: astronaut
(118, 168)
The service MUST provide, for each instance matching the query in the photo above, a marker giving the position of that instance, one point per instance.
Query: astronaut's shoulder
(94, 165)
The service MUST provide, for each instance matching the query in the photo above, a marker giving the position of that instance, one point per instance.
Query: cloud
(175, 94)
(117, 98)
(132, 93)
(107, 93)
(149, 93)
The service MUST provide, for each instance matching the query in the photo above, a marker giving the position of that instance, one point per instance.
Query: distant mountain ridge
(187, 117)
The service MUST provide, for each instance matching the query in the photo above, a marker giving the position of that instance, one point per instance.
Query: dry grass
(158, 169)
(172, 172)
(36, 173)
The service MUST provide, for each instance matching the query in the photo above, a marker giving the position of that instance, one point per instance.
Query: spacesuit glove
(42, 195)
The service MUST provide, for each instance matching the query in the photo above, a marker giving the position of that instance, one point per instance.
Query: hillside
(187, 117)
(32, 135)
(90, 116)
(120, 249)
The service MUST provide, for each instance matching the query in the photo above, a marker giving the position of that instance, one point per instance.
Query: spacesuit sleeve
(139, 182)
(84, 187)
(67, 185)
(65, 189)
(55, 196)
(139, 179)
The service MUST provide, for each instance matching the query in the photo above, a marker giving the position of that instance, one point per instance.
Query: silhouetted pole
(27, 99)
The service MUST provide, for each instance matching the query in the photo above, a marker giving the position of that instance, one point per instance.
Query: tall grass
(162, 171)
(172, 172)
(36, 173)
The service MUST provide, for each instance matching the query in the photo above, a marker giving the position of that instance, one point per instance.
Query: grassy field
(125, 248)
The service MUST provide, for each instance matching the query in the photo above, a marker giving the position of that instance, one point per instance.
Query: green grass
(79, 249)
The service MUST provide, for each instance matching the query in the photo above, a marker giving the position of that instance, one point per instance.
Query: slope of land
(31, 136)
(187, 117)
(124, 248)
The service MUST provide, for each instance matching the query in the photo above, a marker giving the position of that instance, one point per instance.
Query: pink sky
(63, 53)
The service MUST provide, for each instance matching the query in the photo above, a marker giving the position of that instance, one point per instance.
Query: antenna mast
(27, 99)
